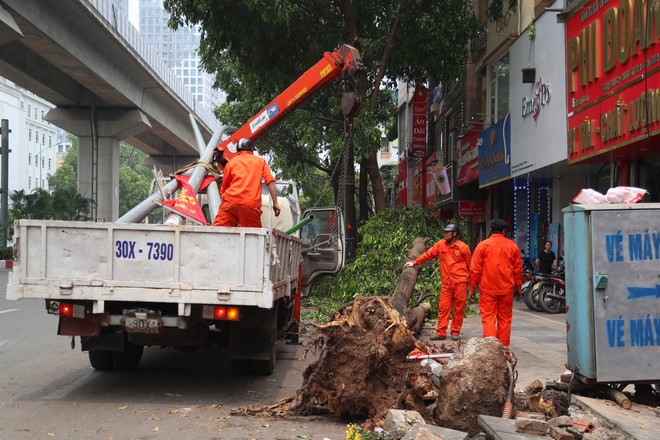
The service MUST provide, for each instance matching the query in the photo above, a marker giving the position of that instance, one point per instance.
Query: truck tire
(101, 359)
(129, 359)
(267, 366)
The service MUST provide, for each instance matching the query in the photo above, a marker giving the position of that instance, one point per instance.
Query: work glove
(408, 264)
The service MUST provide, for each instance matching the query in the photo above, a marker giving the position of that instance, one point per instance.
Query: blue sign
(494, 145)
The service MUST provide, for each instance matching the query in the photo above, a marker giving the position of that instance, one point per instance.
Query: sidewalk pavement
(539, 342)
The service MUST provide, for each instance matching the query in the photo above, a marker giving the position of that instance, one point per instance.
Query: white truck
(120, 287)
(123, 286)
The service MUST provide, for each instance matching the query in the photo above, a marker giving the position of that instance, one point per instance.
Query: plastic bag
(620, 194)
(625, 194)
(588, 196)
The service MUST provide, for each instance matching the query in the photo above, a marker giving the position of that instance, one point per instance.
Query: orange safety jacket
(496, 266)
(454, 260)
(241, 181)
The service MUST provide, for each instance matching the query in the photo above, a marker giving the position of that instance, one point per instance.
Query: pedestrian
(546, 258)
(497, 269)
(454, 259)
(241, 189)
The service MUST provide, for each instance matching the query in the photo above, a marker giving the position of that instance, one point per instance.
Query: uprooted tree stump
(361, 371)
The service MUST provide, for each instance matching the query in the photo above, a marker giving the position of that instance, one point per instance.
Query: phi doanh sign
(613, 75)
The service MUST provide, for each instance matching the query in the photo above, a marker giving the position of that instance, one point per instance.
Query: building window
(29, 182)
(49, 163)
(29, 110)
(384, 145)
(30, 134)
(29, 158)
(499, 89)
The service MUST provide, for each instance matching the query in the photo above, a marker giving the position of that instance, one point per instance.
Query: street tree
(257, 48)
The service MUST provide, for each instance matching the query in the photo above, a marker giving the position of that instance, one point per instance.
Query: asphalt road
(49, 391)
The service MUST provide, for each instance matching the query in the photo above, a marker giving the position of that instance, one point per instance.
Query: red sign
(613, 77)
(468, 156)
(185, 203)
(471, 209)
(419, 114)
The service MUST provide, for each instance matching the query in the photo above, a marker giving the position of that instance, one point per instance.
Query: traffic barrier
(6, 264)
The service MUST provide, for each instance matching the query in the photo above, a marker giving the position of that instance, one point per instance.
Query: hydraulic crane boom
(345, 61)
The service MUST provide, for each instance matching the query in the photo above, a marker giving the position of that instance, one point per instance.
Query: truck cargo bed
(161, 263)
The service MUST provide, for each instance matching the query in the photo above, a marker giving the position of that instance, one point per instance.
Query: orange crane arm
(345, 61)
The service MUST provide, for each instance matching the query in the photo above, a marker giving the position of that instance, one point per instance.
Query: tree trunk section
(403, 292)
(376, 181)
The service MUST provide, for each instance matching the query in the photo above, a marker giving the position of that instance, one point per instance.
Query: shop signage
(613, 76)
(419, 115)
(494, 144)
(471, 209)
(432, 189)
(532, 106)
(468, 156)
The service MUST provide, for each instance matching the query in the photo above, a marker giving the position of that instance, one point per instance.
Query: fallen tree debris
(367, 344)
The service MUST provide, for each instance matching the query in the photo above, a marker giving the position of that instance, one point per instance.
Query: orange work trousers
(451, 294)
(496, 312)
(236, 214)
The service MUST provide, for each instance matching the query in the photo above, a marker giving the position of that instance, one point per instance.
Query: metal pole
(146, 206)
(4, 203)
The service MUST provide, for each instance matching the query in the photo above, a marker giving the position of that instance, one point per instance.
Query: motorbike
(530, 278)
(552, 291)
(530, 290)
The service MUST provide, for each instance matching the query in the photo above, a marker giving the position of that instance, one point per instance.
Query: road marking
(8, 310)
(3, 342)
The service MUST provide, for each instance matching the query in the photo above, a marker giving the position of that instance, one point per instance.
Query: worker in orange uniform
(454, 258)
(497, 270)
(241, 189)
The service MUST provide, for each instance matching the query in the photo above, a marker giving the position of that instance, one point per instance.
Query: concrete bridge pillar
(99, 131)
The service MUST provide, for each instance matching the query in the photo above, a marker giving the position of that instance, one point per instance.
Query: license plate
(142, 325)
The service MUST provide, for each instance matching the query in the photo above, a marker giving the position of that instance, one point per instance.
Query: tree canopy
(257, 48)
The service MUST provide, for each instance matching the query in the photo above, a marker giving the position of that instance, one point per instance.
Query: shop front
(613, 90)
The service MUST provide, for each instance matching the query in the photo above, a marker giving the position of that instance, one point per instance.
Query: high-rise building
(34, 142)
(177, 49)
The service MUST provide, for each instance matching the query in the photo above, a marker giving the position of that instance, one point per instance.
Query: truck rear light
(224, 313)
(232, 314)
(220, 312)
(66, 309)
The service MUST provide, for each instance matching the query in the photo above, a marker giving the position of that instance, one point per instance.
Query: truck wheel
(240, 366)
(265, 367)
(129, 358)
(101, 359)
